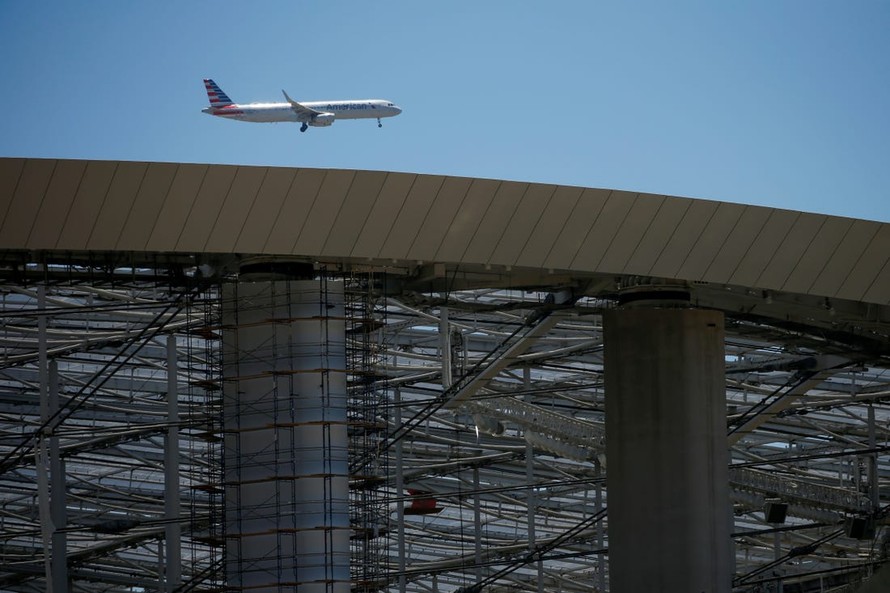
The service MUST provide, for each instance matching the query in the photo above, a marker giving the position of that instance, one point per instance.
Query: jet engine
(322, 120)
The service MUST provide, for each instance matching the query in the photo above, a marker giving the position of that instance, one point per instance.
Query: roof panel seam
(427, 214)
(161, 207)
(324, 177)
(481, 220)
(655, 260)
(695, 243)
(250, 209)
(592, 226)
(830, 258)
(191, 206)
(778, 250)
(40, 205)
(528, 237)
(804, 252)
(497, 242)
(73, 199)
(398, 214)
(290, 188)
(643, 235)
(123, 225)
(102, 205)
(563, 227)
(453, 218)
(753, 242)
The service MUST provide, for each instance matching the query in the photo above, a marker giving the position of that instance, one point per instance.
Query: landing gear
(304, 127)
(379, 125)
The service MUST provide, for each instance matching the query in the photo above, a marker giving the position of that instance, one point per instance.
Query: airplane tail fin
(217, 97)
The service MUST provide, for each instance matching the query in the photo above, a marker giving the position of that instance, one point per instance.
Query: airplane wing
(303, 113)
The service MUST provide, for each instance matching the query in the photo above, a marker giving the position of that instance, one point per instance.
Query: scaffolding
(368, 406)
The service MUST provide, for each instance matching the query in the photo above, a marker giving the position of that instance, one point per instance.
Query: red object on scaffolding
(422, 503)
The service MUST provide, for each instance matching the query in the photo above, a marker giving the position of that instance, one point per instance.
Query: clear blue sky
(785, 104)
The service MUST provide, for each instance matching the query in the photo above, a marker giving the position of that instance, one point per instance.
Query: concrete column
(286, 450)
(667, 479)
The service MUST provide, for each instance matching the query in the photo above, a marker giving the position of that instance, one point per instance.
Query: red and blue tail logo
(217, 97)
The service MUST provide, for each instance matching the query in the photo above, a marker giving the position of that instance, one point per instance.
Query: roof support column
(286, 448)
(668, 494)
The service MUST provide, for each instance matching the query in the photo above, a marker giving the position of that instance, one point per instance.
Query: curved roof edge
(103, 206)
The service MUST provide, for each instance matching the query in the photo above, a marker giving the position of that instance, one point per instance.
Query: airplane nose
(397, 109)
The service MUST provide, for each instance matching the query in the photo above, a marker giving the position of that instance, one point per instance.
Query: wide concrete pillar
(667, 478)
(286, 443)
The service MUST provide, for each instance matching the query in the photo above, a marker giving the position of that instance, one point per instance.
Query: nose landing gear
(379, 125)
(304, 127)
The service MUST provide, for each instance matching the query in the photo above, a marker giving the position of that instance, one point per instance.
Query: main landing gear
(379, 125)
(304, 127)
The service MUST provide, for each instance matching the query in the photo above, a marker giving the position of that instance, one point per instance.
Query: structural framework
(245, 378)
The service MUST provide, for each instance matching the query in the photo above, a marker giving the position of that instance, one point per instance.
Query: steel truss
(479, 459)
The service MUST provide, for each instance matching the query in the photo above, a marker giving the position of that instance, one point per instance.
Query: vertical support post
(445, 347)
(669, 520)
(400, 492)
(531, 500)
(42, 457)
(57, 488)
(172, 508)
(873, 492)
(477, 524)
(601, 561)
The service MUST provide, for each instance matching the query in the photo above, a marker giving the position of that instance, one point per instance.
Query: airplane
(315, 113)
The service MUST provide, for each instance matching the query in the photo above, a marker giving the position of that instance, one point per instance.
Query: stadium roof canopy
(800, 291)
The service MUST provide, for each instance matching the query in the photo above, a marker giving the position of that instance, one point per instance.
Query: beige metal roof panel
(599, 235)
(231, 216)
(468, 220)
(86, 205)
(737, 244)
(403, 232)
(761, 251)
(711, 239)
(205, 209)
(438, 220)
(852, 246)
(177, 206)
(617, 231)
(683, 239)
(521, 223)
(879, 291)
(811, 263)
(147, 206)
(25, 204)
(571, 237)
(496, 220)
(10, 173)
(264, 210)
(353, 214)
(794, 244)
(56, 203)
(658, 235)
(291, 218)
(321, 215)
(549, 226)
(385, 210)
(867, 274)
(116, 207)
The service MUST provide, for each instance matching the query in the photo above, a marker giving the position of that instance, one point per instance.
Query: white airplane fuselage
(283, 112)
